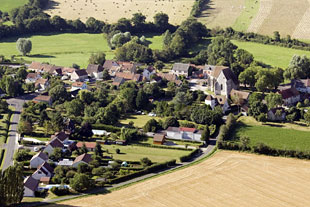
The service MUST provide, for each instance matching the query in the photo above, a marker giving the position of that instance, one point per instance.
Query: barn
(159, 139)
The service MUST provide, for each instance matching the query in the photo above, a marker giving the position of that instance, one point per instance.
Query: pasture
(226, 179)
(112, 10)
(272, 55)
(138, 120)
(8, 5)
(279, 136)
(65, 49)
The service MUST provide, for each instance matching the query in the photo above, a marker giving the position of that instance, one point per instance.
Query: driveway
(12, 142)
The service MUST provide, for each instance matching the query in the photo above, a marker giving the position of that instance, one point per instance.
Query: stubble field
(226, 179)
(112, 10)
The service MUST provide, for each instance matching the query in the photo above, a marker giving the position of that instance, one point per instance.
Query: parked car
(152, 114)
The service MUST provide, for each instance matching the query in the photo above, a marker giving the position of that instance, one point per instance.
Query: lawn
(244, 20)
(276, 136)
(135, 153)
(273, 55)
(68, 48)
(139, 120)
(8, 5)
(156, 41)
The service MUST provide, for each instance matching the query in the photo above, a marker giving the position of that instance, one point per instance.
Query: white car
(36, 149)
(152, 114)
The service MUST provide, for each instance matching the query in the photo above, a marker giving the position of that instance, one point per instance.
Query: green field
(272, 55)
(8, 5)
(65, 49)
(244, 20)
(139, 120)
(135, 153)
(156, 41)
(276, 137)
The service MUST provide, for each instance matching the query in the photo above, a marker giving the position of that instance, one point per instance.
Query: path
(12, 142)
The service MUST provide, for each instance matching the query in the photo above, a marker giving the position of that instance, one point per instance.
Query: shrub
(60, 191)
(117, 151)
(186, 158)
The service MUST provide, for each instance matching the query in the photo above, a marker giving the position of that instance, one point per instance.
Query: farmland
(226, 179)
(111, 11)
(279, 136)
(8, 5)
(272, 55)
(65, 49)
(260, 16)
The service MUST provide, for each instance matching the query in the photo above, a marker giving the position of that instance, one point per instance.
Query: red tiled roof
(77, 84)
(288, 93)
(186, 129)
(90, 145)
(35, 65)
(42, 98)
(159, 137)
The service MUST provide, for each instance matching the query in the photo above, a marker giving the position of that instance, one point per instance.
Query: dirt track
(226, 179)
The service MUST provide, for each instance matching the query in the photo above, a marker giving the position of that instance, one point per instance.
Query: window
(221, 86)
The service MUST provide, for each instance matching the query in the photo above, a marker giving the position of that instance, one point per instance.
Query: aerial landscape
(154, 103)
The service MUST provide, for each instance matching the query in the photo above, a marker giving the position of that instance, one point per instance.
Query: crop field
(272, 55)
(112, 10)
(8, 5)
(68, 48)
(261, 16)
(226, 179)
(275, 135)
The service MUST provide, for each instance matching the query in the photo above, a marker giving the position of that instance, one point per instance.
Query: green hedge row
(2, 151)
(198, 7)
(160, 146)
(188, 157)
(105, 127)
(7, 126)
(150, 169)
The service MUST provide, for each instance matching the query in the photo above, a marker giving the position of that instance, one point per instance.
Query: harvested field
(226, 179)
(112, 10)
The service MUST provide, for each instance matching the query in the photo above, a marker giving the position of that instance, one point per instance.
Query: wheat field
(227, 179)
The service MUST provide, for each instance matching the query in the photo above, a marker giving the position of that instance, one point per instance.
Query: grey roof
(91, 68)
(181, 67)
(46, 166)
(42, 155)
(31, 183)
(81, 72)
(56, 143)
(109, 63)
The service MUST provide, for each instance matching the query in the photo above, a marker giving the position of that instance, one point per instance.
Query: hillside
(260, 16)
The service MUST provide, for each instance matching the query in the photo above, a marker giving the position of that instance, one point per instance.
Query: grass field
(247, 15)
(226, 179)
(8, 5)
(68, 48)
(111, 11)
(274, 135)
(135, 153)
(273, 55)
(139, 120)
(156, 41)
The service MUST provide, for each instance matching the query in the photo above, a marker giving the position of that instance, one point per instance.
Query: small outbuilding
(159, 139)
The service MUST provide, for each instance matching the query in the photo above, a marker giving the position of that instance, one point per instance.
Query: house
(36, 67)
(65, 162)
(159, 139)
(89, 145)
(44, 170)
(68, 71)
(43, 99)
(128, 67)
(41, 84)
(45, 180)
(223, 102)
(30, 186)
(129, 76)
(108, 64)
(61, 136)
(55, 143)
(239, 97)
(32, 77)
(95, 71)
(117, 81)
(51, 69)
(290, 96)
(276, 114)
(38, 160)
(78, 85)
(181, 69)
(221, 80)
(79, 75)
(184, 133)
(170, 77)
(148, 72)
(210, 101)
(301, 85)
(84, 158)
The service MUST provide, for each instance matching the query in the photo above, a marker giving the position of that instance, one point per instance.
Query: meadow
(138, 120)
(8, 5)
(272, 55)
(278, 136)
(226, 179)
(65, 49)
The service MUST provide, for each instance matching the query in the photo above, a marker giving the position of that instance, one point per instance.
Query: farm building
(159, 139)
(184, 133)
(90, 146)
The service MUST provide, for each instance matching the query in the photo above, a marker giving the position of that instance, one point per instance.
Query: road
(12, 142)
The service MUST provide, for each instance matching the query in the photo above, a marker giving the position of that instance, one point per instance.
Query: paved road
(12, 142)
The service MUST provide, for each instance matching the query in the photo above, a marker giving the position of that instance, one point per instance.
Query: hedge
(188, 157)
(160, 146)
(150, 169)
(26, 142)
(108, 128)
(7, 126)
(2, 151)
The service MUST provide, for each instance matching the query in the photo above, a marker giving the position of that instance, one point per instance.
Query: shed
(159, 139)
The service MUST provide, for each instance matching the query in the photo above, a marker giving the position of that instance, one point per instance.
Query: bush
(117, 151)
(108, 128)
(60, 191)
(186, 158)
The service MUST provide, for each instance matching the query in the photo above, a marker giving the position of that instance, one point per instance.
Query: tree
(11, 186)
(307, 117)
(205, 136)
(159, 65)
(56, 121)
(59, 93)
(247, 77)
(4, 106)
(245, 141)
(86, 96)
(98, 150)
(86, 130)
(146, 162)
(74, 108)
(151, 126)
(83, 149)
(133, 51)
(24, 46)
(56, 154)
(141, 99)
(170, 122)
(81, 182)
(298, 68)
(21, 74)
(276, 36)
(161, 21)
(97, 58)
(25, 127)
(138, 20)
(273, 100)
